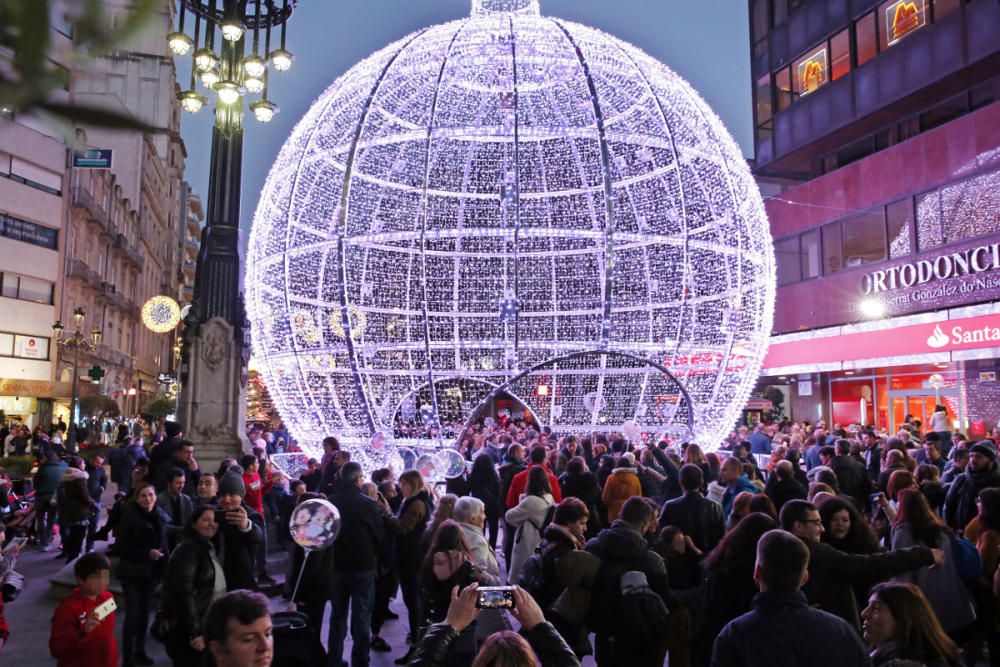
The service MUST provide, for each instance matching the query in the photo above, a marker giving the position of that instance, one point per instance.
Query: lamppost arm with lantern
(236, 64)
(78, 342)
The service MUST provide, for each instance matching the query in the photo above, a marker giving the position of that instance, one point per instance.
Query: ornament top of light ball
(487, 194)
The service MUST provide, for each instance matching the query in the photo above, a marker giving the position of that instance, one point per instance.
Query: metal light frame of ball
(685, 399)
(515, 163)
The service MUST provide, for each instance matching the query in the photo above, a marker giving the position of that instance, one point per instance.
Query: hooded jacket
(622, 484)
(960, 503)
(621, 549)
(67, 642)
(73, 498)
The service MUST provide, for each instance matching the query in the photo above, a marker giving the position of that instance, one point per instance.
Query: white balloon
(450, 463)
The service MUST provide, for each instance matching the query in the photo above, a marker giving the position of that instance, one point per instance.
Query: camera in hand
(495, 597)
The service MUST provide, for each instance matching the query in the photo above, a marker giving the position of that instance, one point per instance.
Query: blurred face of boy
(95, 584)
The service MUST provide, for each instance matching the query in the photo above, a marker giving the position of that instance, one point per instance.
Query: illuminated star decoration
(487, 194)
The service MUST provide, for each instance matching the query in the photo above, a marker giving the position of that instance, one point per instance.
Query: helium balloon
(427, 466)
(315, 524)
(450, 463)
(402, 459)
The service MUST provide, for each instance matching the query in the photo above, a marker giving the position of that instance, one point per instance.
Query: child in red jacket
(254, 486)
(79, 637)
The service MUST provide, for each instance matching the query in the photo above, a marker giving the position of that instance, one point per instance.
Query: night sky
(705, 41)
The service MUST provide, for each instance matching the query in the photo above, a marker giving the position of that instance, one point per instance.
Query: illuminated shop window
(899, 18)
(811, 72)
(783, 88)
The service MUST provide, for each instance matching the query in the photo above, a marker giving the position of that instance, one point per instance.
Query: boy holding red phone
(83, 626)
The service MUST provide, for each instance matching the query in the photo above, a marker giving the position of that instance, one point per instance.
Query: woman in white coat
(527, 517)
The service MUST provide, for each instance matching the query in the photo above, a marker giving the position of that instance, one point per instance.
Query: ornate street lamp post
(232, 58)
(77, 342)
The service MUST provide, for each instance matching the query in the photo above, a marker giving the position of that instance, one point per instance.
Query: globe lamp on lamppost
(78, 342)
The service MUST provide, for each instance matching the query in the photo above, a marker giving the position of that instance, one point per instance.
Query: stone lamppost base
(212, 406)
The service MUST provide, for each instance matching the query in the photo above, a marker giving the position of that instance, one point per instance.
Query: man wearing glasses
(833, 573)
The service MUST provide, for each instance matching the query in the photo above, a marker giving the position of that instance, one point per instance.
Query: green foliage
(17, 465)
(159, 408)
(99, 406)
(28, 77)
(777, 399)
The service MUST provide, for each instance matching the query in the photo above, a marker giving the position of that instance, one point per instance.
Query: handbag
(968, 564)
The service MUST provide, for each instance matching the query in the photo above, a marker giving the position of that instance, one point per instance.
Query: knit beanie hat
(232, 482)
(633, 580)
(173, 429)
(986, 448)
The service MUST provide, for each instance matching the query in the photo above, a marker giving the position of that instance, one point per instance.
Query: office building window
(786, 255)
(865, 35)
(833, 257)
(944, 7)
(811, 71)
(899, 219)
(762, 93)
(780, 9)
(24, 347)
(760, 20)
(783, 88)
(812, 264)
(15, 286)
(840, 54)
(864, 238)
(899, 19)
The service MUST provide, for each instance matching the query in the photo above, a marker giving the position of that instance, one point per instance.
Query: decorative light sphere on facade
(161, 314)
(491, 193)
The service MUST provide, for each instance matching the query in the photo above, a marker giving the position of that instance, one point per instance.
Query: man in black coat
(356, 552)
(160, 455)
(851, 474)
(782, 486)
(981, 473)
(97, 481)
(330, 483)
(623, 548)
(782, 630)
(513, 463)
(696, 515)
(241, 531)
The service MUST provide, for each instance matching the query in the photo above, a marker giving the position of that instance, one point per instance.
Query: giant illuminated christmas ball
(488, 194)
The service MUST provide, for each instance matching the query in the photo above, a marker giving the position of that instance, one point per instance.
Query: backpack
(967, 561)
(641, 618)
(532, 578)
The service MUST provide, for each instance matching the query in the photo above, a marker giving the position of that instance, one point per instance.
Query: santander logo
(938, 339)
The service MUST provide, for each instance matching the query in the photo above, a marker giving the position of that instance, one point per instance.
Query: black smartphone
(220, 515)
(495, 597)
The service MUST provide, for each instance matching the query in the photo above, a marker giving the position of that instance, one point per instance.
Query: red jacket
(4, 628)
(70, 646)
(255, 491)
(520, 483)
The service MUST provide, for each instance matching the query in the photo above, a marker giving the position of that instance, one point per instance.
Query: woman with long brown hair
(899, 624)
(916, 524)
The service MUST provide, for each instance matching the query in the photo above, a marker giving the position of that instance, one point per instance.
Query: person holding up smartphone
(83, 625)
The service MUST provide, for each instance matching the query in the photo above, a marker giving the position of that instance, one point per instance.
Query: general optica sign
(952, 335)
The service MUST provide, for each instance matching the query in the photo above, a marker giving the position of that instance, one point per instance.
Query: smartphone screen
(104, 609)
(495, 597)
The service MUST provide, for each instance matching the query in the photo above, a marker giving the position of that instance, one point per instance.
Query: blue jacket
(782, 630)
(759, 443)
(738, 486)
(47, 478)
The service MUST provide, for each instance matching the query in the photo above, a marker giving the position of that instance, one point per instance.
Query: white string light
(462, 174)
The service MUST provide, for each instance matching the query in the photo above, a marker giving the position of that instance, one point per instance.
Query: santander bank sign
(968, 333)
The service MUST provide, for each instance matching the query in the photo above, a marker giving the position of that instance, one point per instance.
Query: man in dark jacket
(851, 474)
(623, 548)
(513, 463)
(356, 551)
(695, 515)
(782, 629)
(241, 531)
(161, 454)
(782, 486)
(97, 481)
(46, 484)
(833, 573)
(981, 473)
(330, 483)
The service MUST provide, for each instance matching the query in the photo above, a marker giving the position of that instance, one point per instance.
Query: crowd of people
(793, 544)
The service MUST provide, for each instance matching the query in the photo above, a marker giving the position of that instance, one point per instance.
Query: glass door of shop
(921, 403)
